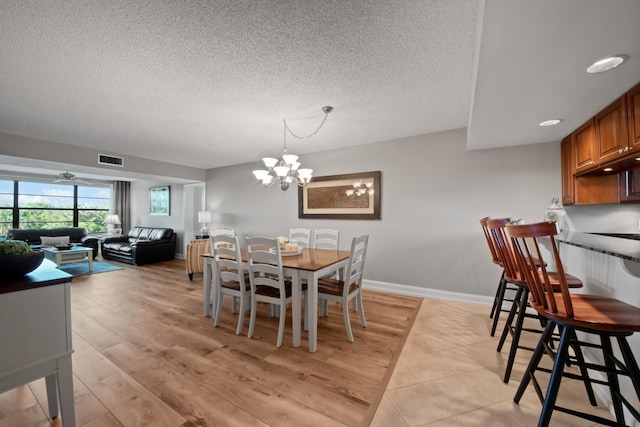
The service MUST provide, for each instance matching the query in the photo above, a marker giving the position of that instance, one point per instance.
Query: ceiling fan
(69, 178)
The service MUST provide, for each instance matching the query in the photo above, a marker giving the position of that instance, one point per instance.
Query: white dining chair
(350, 288)
(302, 236)
(230, 277)
(326, 238)
(267, 280)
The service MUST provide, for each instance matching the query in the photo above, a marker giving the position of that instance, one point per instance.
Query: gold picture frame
(325, 197)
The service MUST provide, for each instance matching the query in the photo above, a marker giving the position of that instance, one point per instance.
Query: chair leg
(218, 307)
(631, 363)
(517, 330)
(234, 302)
(241, 315)
(497, 297)
(583, 370)
(283, 317)
(363, 320)
(252, 317)
(612, 378)
(190, 276)
(512, 314)
(347, 322)
(535, 360)
(497, 304)
(556, 378)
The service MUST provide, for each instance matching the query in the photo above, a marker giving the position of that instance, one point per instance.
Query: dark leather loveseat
(77, 235)
(143, 245)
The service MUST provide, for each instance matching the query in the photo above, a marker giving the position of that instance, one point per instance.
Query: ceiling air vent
(104, 159)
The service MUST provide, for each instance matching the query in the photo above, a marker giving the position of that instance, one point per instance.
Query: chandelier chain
(326, 111)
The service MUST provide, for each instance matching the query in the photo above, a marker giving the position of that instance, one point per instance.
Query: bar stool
(503, 285)
(514, 325)
(602, 316)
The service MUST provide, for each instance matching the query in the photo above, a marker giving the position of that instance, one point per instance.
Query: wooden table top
(311, 259)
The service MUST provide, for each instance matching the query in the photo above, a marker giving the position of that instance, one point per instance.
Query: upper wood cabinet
(633, 104)
(584, 153)
(612, 134)
(630, 185)
(566, 158)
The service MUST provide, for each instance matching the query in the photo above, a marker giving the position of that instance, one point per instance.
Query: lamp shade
(112, 219)
(204, 216)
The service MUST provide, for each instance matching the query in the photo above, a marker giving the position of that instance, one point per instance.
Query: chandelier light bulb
(281, 171)
(289, 158)
(260, 174)
(270, 162)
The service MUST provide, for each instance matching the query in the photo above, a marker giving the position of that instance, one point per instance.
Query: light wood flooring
(146, 356)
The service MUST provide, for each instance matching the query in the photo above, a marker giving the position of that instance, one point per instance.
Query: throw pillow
(52, 241)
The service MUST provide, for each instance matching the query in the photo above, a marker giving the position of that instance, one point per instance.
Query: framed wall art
(160, 201)
(348, 196)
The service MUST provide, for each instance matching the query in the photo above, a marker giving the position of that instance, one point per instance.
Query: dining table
(310, 265)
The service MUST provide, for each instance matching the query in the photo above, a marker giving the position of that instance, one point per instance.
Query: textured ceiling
(207, 83)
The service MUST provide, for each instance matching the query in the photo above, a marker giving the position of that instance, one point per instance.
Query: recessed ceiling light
(607, 169)
(606, 64)
(552, 122)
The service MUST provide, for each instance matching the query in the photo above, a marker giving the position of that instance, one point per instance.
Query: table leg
(51, 382)
(312, 294)
(58, 259)
(206, 287)
(90, 255)
(297, 306)
(65, 391)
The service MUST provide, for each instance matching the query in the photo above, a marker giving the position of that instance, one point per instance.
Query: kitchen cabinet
(633, 118)
(584, 153)
(566, 158)
(630, 185)
(612, 136)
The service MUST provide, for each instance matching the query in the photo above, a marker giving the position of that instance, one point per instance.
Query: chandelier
(287, 170)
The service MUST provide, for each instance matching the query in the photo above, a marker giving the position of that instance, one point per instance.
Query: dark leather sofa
(77, 235)
(143, 245)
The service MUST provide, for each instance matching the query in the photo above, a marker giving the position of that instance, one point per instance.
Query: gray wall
(140, 210)
(433, 194)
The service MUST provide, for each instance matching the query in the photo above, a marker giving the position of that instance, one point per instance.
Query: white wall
(433, 194)
(140, 210)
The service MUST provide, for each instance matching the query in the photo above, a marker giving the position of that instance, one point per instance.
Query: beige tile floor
(450, 374)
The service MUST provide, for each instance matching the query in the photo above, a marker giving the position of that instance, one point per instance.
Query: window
(26, 204)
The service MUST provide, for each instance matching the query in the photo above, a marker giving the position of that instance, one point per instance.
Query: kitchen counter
(611, 244)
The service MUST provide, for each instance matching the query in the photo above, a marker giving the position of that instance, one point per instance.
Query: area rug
(82, 268)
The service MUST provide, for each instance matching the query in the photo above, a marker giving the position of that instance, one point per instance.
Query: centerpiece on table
(17, 259)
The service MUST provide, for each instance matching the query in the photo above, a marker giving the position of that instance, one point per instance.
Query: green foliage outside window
(54, 207)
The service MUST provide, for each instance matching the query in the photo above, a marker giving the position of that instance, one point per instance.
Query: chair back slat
(265, 263)
(302, 236)
(525, 240)
(500, 243)
(227, 259)
(355, 266)
(495, 256)
(326, 238)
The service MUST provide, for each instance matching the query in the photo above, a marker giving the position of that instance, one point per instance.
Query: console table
(35, 332)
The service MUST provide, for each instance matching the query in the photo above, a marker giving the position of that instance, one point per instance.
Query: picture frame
(325, 197)
(160, 201)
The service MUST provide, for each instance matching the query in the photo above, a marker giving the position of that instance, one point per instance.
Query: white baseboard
(415, 291)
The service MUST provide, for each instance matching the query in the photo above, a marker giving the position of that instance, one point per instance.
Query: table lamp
(111, 220)
(204, 217)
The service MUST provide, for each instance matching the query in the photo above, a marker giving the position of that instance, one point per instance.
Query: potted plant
(17, 259)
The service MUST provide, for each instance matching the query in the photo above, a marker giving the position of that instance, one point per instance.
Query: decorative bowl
(16, 266)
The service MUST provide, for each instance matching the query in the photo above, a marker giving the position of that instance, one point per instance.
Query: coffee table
(68, 256)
